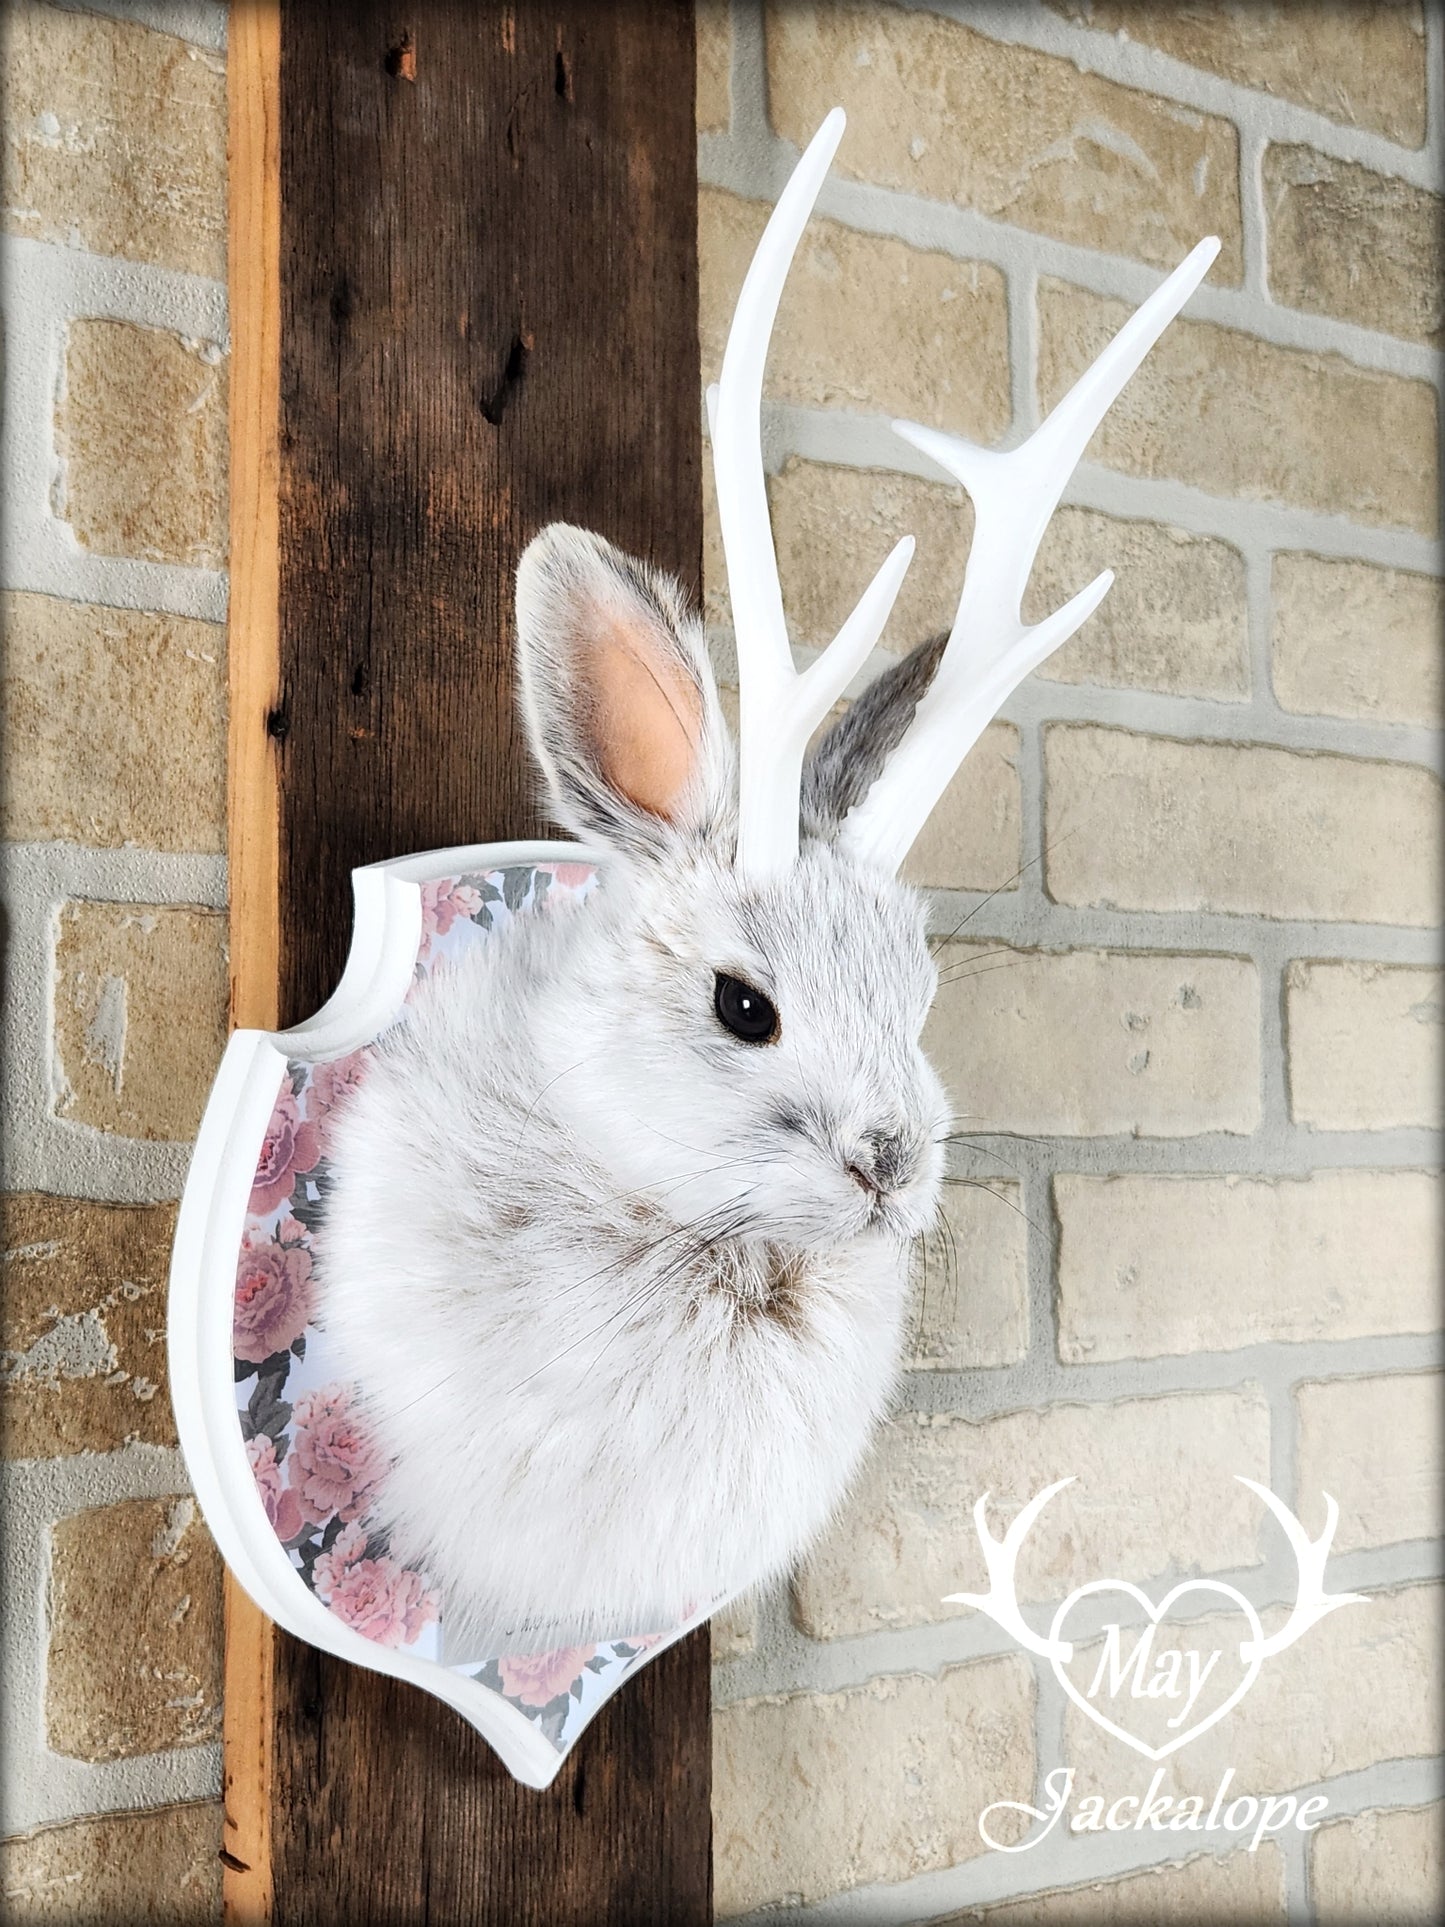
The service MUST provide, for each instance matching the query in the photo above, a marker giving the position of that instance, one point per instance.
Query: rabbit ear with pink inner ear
(617, 696)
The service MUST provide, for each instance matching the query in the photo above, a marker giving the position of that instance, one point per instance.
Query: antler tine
(779, 708)
(1312, 1602)
(990, 649)
(1000, 1556)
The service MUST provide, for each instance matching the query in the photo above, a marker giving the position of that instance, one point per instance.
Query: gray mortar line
(1284, 1444)
(1272, 962)
(1233, 725)
(201, 22)
(988, 1392)
(1254, 224)
(750, 128)
(1048, 924)
(1259, 613)
(54, 872)
(52, 1489)
(47, 1788)
(1295, 1848)
(1027, 888)
(1295, 1156)
(1022, 292)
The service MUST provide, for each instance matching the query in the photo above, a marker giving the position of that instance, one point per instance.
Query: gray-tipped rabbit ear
(617, 695)
(845, 761)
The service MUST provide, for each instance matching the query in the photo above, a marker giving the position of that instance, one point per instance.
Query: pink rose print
(332, 1087)
(273, 1296)
(292, 1145)
(382, 1600)
(536, 1679)
(283, 1508)
(569, 875)
(336, 1466)
(331, 1567)
(444, 901)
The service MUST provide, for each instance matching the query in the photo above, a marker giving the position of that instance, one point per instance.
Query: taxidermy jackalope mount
(617, 1242)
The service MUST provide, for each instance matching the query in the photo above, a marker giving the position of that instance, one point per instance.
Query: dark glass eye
(744, 1011)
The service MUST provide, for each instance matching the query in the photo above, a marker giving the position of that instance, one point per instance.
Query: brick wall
(1210, 1052)
(113, 596)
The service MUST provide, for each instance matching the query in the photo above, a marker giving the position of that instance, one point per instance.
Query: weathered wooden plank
(488, 321)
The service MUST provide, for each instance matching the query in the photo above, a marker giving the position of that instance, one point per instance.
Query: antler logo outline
(1000, 1603)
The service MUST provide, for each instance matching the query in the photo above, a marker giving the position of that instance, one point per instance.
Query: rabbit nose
(863, 1179)
(880, 1165)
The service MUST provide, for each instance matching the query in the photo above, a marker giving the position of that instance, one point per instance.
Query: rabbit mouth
(901, 1216)
(893, 1185)
(900, 1213)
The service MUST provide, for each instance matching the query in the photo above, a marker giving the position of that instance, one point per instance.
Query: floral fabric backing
(316, 1470)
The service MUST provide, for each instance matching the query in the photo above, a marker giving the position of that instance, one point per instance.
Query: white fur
(624, 1320)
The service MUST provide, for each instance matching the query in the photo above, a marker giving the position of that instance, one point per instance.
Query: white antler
(1000, 1557)
(1312, 1602)
(990, 649)
(779, 709)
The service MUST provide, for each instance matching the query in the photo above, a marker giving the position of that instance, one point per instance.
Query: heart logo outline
(1156, 1615)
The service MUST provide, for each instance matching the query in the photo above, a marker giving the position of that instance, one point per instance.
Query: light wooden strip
(254, 75)
(250, 1706)
(253, 86)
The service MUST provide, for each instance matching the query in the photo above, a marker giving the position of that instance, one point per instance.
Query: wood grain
(254, 105)
(246, 1771)
(488, 322)
(253, 75)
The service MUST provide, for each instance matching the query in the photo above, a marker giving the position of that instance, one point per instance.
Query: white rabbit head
(749, 1047)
